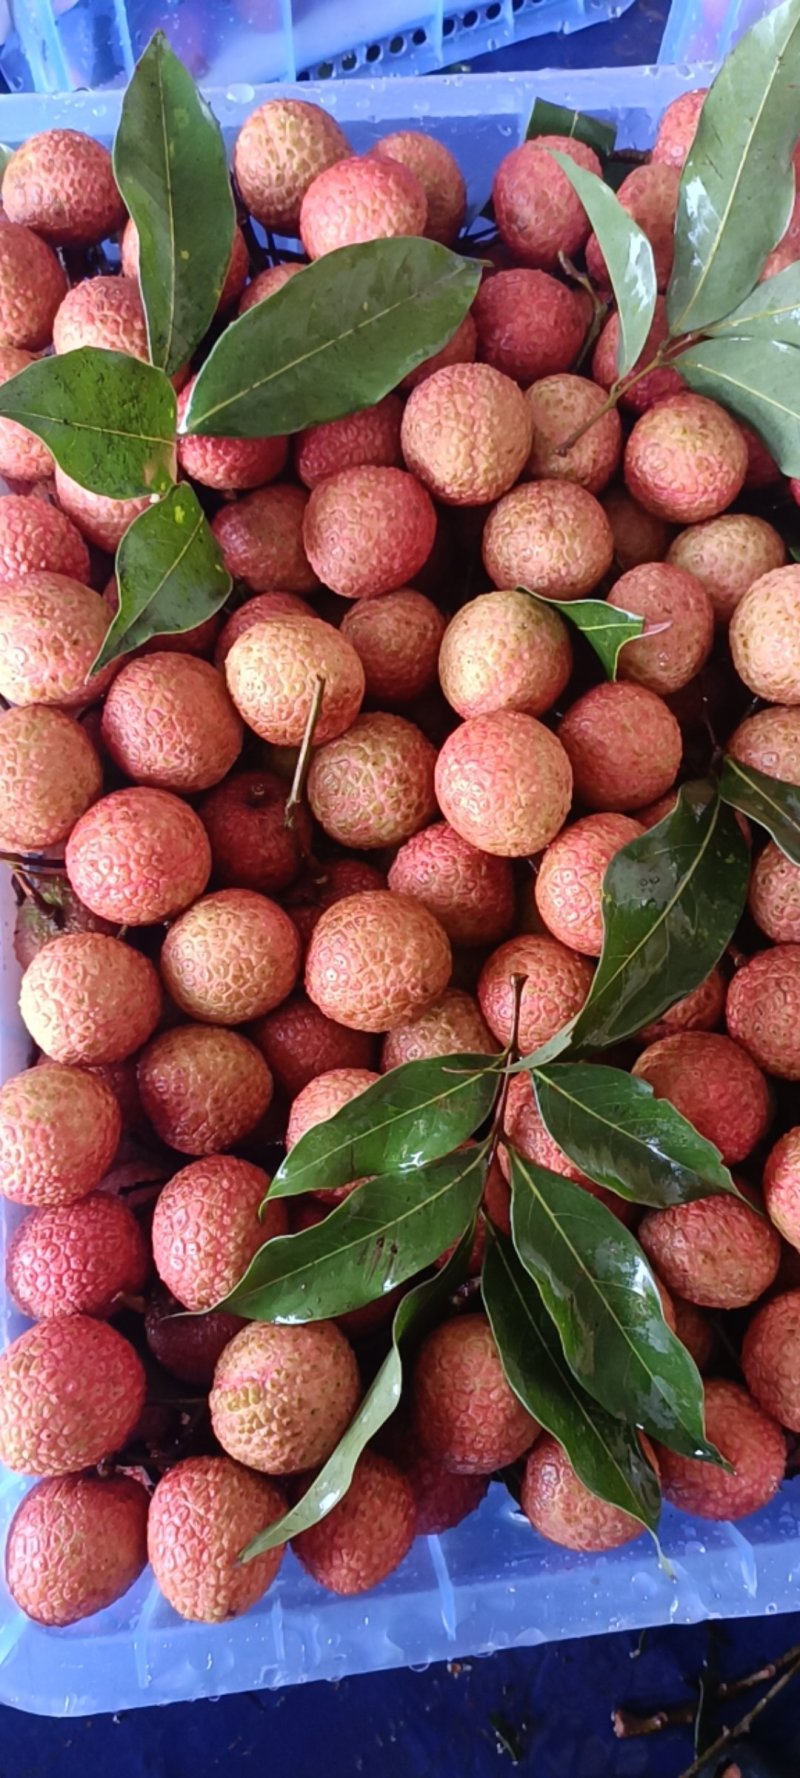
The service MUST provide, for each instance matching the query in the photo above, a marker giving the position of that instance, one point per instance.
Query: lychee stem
(31, 893)
(512, 1056)
(662, 357)
(599, 307)
(296, 793)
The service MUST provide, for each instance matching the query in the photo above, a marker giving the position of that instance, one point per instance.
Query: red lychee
(75, 1545)
(204, 1088)
(368, 531)
(538, 211)
(362, 198)
(504, 782)
(370, 435)
(470, 892)
(206, 1228)
(624, 746)
(251, 845)
(299, 1043)
(61, 183)
(561, 1508)
(717, 1252)
(713, 1083)
(465, 1413)
(138, 856)
(763, 1010)
(529, 325)
(77, 1259)
(261, 538)
(771, 1358)
(569, 883)
(557, 982)
(283, 1395)
(375, 960)
(686, 459)
(168, 721)
(202, 1515)
(367, 1535)
(71, 1392)
(752, 1443)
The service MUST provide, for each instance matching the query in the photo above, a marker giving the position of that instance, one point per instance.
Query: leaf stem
(295, 796)
(790, 1663)
(616, 392)
(512, 1056)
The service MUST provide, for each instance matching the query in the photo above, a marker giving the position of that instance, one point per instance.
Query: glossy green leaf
(170, 166)
(170, 575)
(606, 628)
(336, 338)
(618, 1134)
(770, 312)
(383, 1233)
(558, 120)
(108, 419)
(599, 1290)
(737, 186)
(604, 1452)
(757, 379)
(411, 1115)
(771, 802)
(628, 256)
(672, 900)
(419, 1308)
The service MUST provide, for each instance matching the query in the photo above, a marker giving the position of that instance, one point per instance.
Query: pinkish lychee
(49, 774)
(273, 670)
(650, 196)
(765, 636)
(51, 629)
(282, 1396)
(261, 538)
(561, 1508)
(466, 434)
(551, 536)
(169, 722)
(103, 312)
(299, 1043)
(138, 856)
(88, 999)
(774, 894)
(230, 957)
(569, 883)
(700, 1010)
(504, 651)
(529, 326)
(361, 199)
(718, 1252)
(36, 537)
(251, 845)
(538, 212)
(265, 284)
(75, 1545)
(638, 392)
(713, 1083)
(342, 877)
(32, 285)
(504, 782)
(77, 1259)
(470, 892)
(368, 531)
(71, 1392)
(453, 1025)
(728, 555)
(624, 746)
(439, 174)
(396, 638)
(59, 1132)
(204, 1088)
(281, 147)
(375, 960)
(771, 1358)
(101, 520)
(465, 1413)
(763, 1010)
(781, 1183)
(206, 1228)
(674, 604)
(373, 786)
(557, 982)
(558, 406)
(685, 459)
(770, 741)
(367, 1535)
(202, 1515)
(61, 183)
(257, 611)
(228, 462)
(751, 1442)
(639, 537)
(369, 436)
(676, 130)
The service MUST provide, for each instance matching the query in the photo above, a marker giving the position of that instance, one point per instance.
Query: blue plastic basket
(705, 30)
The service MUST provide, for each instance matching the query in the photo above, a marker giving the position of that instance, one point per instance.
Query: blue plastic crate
(705, 30)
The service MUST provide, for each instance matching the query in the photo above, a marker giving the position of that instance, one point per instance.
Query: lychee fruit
(55, 911)
(203, 1513)
(700, 1010)
(529, 326)
(367, 1535)
(342, 877)
(273, 670)
(696, 1332)
(281, 147)
(557, 982)
(441, 1499)
(169, 722)
(51, 630)
(368, 531)
(559, 406)
(771, 1358)
(373, 786)
(639, 537)
(299, 1043)
(551, 536)
(685, 459)
(470, 892)
(396, 638)
(261, 538)
(138, 856)
(624, 746)
(49, 774)
(101, 520)
(75, 1545)
(265, 284)
(59, 1132)
(76, 1259)
(727, 555)
(504, 651)
(569, 883)
(206, 1228)
(258, 610)
(538, 212)
(638, 392)
(283, 1396)
(61, 183)
(103, 312)
(234, 277)
(504, 783)
(87, 999)
(765, 636)
(370, 435)
(781, 1184)
(189, 1346)
(770, 741)
(714, 1084)
(773, 896)
(762, 470)
(363, 198)
(32, 285)
(677, 128)
(320, 1100)
(230, 957)
(466, 434)
(718, 1251)
(36, 537)
(751, 1442)
(375, 960)
(650, 196)
(251, 845)
(23, 456)
(674, 604)
(465, 1413)
(461, 348)
(204, 1088)
(561, 1508)
(71, 1392)
(763, 1010)
(453, 1025)
(226, 463)
(439, 174)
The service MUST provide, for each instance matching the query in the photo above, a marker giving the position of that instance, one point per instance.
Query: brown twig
(295, 796)
(627, 1725)
(789, 1667)
(512, 1056)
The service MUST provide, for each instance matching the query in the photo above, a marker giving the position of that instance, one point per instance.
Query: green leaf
(170, 575)
(413, 1114)
(336, 338)
(418, 1309)
(606, 628)
(757, 379)
(770, 312)
(108, 419)
(672, 900)
(628, 256)
(598, 1287)
(737, 186)
(382, 1234)
(771, 802)
(604, 1452)
(559, 120)
(170, 166)
(612, 1127)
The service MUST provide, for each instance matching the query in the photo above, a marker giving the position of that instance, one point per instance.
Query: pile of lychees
(204, 976)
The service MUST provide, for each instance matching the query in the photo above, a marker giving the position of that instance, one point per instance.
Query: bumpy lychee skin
(58, 911)
(529, 325)
(168, 721)
(49, 774)
(343, 877)
(32, 285)
(234, 277)
(61, 183)
(504, 651)
(551, 536)
(23, 456)
(272, 672)
(396, 638)
(504, 783)
(265, 284)
(470, 892)
(728, 555)
(771, 1358)
(75, 1545)
(138, 856)
(665, 595)
(570, 881)
(204, 1088)
(466, 434)
(453, 1025)
(261, 538)
(206, 1228)
(281, 147)
(36, 537)
(461, 348)
(718, 1252)
(770, 741)
(650, 196)
(465, 1413)
(283, 1395)
(103, 312)
(59, 1132)
(375, 960)
(320, 1100)
(715, 1084)
(624, 746)
(251, 846)
(701, 1010)
(639, 537)
(640, 392)
(373, 786)
(368, 531)
(763, 1010)
(77, 1259)
(442, 1499)
(299, 1043)
(361, 199)
(538, 212)
(439, 174)
(258, 610)
(51, 629)
(676, 131)
(71, 1392)
(696, 1332)
(765, 636)
(773, 896)
(101, 520)
(371, 435)
(232, 956)
(189, 1347)
(557, 983)
(367, 1535)
(561, 1508)
(685, 459)
(559, 406)
(89, 999)
(781, 1183)
(228, 462)
(203, 1513)
(754, 1446)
